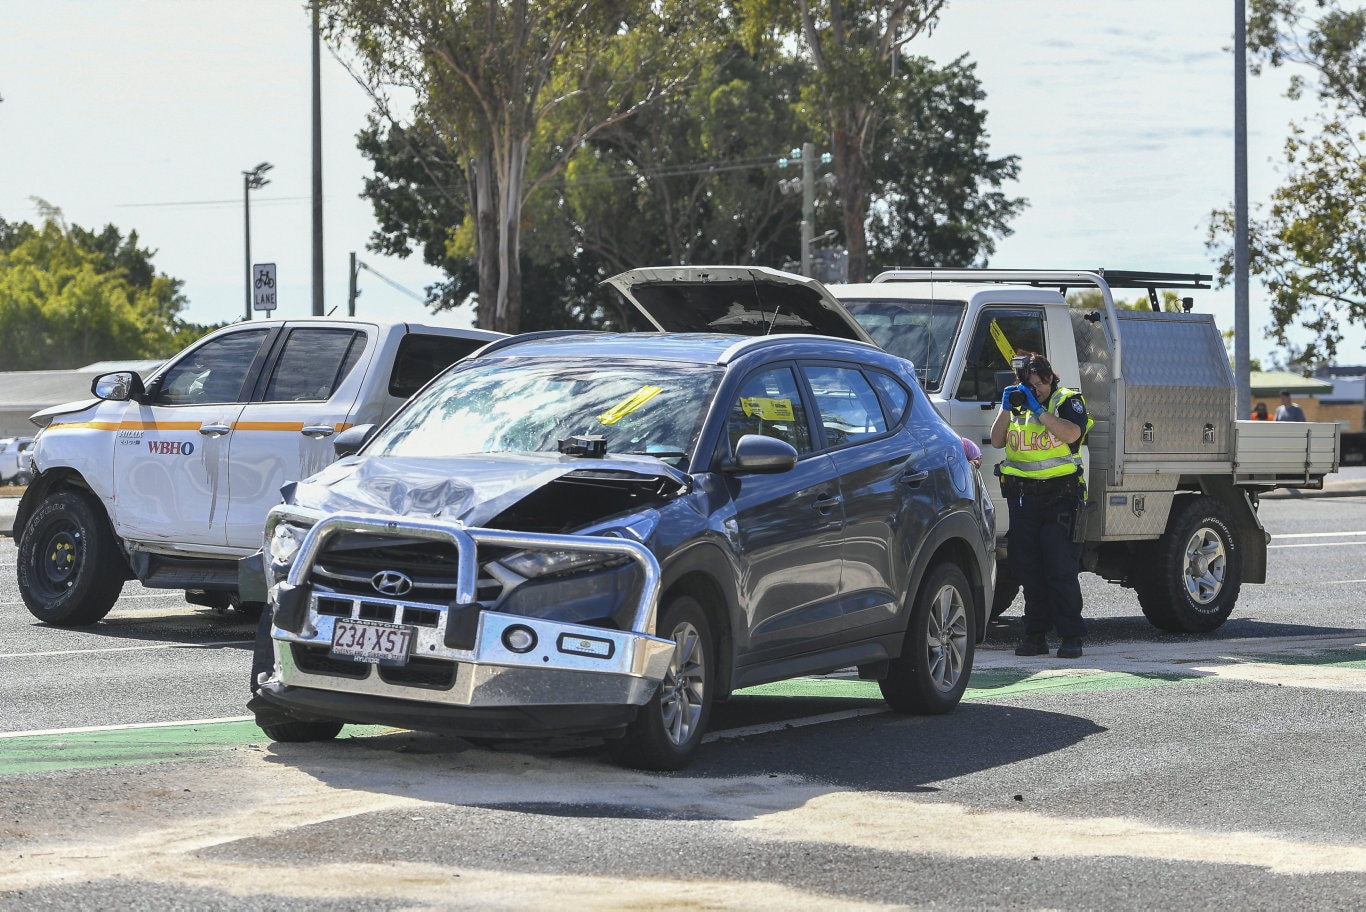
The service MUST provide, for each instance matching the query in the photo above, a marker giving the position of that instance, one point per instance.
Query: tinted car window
(1015, 330)
(422, 357)
(921, 331)
(212, 373)
(849, 408)
(895, 397)
(313, 363)
(531, 404)
(770, 404)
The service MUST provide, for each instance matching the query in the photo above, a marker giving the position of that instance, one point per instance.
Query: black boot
(1033, 644)
(1070, 648)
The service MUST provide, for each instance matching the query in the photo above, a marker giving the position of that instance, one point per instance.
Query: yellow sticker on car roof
(629, 405)
(767, 409)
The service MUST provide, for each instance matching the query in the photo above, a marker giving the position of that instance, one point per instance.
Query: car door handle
(913, 476)
(318, 430)
(827, 502)
(214, 430)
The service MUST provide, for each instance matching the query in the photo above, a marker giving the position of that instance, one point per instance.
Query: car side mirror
(756, 453)
(349, 441)
(119, 386)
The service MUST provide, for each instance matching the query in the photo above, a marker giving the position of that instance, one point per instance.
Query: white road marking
(1316, 534)
(727, 734)
(66, 652)
(88, 729)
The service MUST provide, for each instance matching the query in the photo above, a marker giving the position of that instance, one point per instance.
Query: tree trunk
(485, 239)
(852, 171)
(508, 314)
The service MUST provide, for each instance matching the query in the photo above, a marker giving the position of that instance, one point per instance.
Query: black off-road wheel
(1188, 580)
(668, 730)
(277, 724)
(932, 672)
(70, 570)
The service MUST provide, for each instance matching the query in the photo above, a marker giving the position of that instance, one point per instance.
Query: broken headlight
(283, 548)
(552, 562)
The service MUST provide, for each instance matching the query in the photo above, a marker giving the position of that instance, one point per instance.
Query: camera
(1019, 364)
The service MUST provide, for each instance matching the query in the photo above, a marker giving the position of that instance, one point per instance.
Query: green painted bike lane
(769, 703)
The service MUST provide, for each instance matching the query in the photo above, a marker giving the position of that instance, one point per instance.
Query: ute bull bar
(569, 664)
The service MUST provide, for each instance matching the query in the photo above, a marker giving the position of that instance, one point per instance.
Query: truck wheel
(22, 479)
(70, 571)
(277, 724)
(668, 730)
(932, 672)
(1003, 596)
(1196, 569)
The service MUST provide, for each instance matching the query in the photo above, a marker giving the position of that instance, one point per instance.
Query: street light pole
(254, 179)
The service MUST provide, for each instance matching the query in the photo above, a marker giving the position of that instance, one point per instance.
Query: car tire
(932, 672)
(70, 571)
(277, 724)
(667, 732)
(1189, 579)
(23, 479)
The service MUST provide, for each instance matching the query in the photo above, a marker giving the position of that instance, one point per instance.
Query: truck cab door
(171, 453)
(998, 332)
(304, 396)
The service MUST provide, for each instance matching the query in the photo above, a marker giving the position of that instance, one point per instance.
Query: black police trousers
(1046, 561)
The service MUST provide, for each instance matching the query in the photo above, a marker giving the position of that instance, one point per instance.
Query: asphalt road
(1214, 772)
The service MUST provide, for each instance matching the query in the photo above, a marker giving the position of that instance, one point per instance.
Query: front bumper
(461, 675)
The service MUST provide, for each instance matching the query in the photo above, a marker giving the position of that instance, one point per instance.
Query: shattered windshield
(531, 404)
(921, 331)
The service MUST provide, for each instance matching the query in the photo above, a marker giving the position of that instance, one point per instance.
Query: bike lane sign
(263, 286)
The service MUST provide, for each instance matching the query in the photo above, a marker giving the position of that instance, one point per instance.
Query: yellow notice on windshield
(629, 405)
(1002, 343)
(767, 409)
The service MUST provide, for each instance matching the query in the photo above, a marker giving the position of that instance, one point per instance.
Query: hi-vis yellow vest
(1033, 452)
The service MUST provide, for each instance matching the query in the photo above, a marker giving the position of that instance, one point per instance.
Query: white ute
(168, 480)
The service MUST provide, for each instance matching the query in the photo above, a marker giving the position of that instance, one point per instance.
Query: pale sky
(144, 113)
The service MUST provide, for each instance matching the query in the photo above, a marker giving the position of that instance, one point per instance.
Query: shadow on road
(573, 777)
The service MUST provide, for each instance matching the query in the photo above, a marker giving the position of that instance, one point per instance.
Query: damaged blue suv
(607, 533)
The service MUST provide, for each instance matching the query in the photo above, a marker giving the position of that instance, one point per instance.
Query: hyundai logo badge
(391, 582)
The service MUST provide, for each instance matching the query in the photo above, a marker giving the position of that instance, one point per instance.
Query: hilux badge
(391, 582)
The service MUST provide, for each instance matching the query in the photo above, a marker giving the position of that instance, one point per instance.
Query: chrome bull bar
(577, 664)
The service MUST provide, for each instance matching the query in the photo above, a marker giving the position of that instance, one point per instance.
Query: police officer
(1042, 431)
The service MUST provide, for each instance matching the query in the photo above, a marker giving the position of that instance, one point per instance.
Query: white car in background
(14, 460)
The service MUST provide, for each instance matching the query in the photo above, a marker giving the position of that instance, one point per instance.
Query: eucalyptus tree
(511, 88)
(1308, 242)
(855, 49)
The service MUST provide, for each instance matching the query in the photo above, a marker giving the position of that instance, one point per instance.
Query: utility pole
(351, 295)
(254, 179)
(318, 310)
(1242, 358)
(808, 204)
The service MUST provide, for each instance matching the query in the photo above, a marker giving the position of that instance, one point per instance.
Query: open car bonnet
(744, 300)
(479, 488)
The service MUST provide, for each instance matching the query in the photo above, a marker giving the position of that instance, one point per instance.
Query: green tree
(1308, 243)
(512, 88)
(855, 49)
(69, 296)
(937, 194)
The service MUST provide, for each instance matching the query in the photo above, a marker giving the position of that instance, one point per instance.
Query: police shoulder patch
(1076, 405)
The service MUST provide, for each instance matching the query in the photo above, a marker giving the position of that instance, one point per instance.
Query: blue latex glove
(1005, 397)
(1031, 403)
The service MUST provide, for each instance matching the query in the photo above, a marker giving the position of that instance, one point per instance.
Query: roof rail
(1060, 279)
(519, 338)
(1051, 278)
